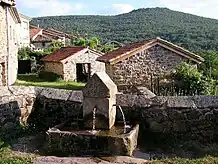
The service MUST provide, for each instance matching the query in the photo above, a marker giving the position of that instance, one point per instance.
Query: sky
(36, 8)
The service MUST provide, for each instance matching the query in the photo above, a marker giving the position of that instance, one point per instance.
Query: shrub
(49, 76)
(189, 80)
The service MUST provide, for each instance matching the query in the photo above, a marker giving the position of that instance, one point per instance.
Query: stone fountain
(97, 133)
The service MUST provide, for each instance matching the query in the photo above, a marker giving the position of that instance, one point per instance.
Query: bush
(49, 76)
(190, 81)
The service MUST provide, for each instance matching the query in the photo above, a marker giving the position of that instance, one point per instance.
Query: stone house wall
(13, 50)
(54, 67)
(88, 57)
(137, 69)
(5, 59)
(3, 45)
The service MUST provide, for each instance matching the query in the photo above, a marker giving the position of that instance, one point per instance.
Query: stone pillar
(100, 93)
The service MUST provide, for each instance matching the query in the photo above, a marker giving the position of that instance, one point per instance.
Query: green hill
(190, 31)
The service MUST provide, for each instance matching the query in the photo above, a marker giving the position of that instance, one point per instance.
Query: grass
(34, 80)
(7, 156)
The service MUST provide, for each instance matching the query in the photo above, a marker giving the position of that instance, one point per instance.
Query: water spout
(124, 119)
(93, 121)
(93, 131)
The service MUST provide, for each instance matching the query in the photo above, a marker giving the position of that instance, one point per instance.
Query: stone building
(73, 63)
(42, 38)
(9, 18)
(136, 63)
(24, 31)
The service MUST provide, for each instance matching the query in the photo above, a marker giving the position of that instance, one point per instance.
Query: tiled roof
(127, 49)
(54, 32)
(15, 12)
(123, 50)
(62, 53)
(50, 35)
(34, 31)
(47, 33)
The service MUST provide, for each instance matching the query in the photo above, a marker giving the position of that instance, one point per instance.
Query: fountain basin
(66, 141)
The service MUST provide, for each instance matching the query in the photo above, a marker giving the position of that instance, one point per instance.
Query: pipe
(8, 47)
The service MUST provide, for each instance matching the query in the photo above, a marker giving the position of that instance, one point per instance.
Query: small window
(25, 25)
(14, 35)
(10, 35)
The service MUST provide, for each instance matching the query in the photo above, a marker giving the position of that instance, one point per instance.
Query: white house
(9, 20)
(24, 31)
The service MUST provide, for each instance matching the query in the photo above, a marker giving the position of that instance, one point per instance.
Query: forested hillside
(192, 32)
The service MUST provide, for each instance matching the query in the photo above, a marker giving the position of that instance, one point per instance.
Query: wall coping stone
(32, 91)
(130, 100)
(195, 102)
(60, 94)
(180, 102)
(205, 101)
(76, 96)
(125, 100)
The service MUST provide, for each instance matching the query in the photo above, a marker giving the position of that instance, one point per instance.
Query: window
(10, 35)
(25, 25)
(14, 35)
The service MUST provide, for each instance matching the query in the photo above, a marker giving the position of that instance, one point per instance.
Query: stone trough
(83, 142)
(98, 133)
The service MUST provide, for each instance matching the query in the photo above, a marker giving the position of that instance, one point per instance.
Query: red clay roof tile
(34, 31)
(123, 50)
(111, 56)
(48, 32)
(62, 53)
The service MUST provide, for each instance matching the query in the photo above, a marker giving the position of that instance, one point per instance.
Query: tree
(210, 65)
(93, 42)
(55, 45)
(192, 32)
(79, 41)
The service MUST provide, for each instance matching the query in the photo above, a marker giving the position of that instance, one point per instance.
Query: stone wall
(16, 104)
(3, 45)
(39, 107)
(3, 79)
(194, 117)
(54, 67)
(88, 57)
(137, 69)
(55, 106)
